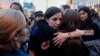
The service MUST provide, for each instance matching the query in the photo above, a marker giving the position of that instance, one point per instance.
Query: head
(53, 17)
(39, 15)
(64, 7)
(16, 6)
(85, 13)
(70, 21)
(13, 31)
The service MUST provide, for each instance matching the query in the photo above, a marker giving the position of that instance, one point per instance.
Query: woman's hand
(45, 45)
(60, 38)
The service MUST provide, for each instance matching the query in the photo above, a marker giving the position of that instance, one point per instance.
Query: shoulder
(95, 26)
(20, 52)
(35, 31)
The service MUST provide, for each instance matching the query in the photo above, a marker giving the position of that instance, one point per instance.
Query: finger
(60, 44)
(57, 43)
(54, 38)
(56, 33)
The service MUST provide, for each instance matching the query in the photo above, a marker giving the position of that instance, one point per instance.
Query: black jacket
(88, 26)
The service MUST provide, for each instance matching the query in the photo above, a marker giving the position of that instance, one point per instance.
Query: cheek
(83, 16)
(86, 16)
(25, 36)
(51, 23)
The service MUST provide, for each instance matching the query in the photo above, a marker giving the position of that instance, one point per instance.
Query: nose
(58, 22)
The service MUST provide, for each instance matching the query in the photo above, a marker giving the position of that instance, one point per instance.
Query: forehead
(57, 15)
(83, 12)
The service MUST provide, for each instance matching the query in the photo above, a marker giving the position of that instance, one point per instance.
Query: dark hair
(71, 21)
(51, 11)
(88, 11)
(39, 13)
(18, 4)
(66, 6)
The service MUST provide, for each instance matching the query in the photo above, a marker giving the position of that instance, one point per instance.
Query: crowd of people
(57, 32)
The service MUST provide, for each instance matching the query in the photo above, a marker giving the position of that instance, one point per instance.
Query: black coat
(41, 32)
(88, 26)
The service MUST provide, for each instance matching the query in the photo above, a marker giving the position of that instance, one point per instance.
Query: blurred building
(95, 4)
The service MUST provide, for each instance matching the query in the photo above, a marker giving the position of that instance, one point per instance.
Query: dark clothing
(18, 52)
(42, 32)
(96, 21)
(90, 26)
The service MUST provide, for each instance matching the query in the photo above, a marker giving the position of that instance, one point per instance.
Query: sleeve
(34, 41)
(95, 36)
(47, 31)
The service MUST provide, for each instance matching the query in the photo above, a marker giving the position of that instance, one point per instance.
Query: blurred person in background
(65, 7)
(39, 15)
(95, 17)
(17, 6)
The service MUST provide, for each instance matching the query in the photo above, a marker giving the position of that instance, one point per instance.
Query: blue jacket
(18, 52)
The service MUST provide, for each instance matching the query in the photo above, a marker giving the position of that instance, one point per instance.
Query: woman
(70, 22)
(91, 30)
(17, 6)
(41, 39)
(88, 24)
(43, 33)
(13, 33)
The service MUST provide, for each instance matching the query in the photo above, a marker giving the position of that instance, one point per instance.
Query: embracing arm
(62, 37)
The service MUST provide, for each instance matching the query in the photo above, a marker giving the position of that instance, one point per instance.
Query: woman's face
(24, 35)
(55, 20)
(15, 7)
(83, 15)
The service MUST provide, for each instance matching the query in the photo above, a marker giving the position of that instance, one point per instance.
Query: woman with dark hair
(87, 24)
(43, 32)
(90, 31)
(70, 22)
(17, 6)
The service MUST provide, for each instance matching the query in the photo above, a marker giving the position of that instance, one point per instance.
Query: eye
(54, 19)
(60, 18)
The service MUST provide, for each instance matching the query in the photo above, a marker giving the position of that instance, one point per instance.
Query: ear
(47, 20)
(15, 37)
